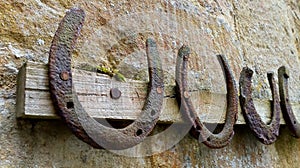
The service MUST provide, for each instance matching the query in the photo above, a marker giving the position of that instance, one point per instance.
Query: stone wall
(262, 35)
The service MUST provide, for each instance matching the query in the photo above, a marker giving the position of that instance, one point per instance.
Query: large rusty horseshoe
(267, 134)
(70, 109)
(286, 108)
(199, 130)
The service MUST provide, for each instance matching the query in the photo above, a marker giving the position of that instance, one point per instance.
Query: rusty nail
(159, 90)
(115, 93)
(186, 94)
(64, 75)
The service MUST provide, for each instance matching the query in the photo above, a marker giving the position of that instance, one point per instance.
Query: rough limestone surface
(262, 35)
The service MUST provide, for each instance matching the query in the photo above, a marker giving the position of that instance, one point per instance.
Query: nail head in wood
(115, 93)
(159, 90)
(186, 94)
(64, 75)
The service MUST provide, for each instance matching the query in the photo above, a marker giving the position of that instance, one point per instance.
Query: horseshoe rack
(34, 95)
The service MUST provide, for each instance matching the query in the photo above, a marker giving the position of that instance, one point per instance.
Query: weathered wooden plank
(94, 92)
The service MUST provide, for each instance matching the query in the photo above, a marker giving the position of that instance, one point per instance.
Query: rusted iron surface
(267, 134)
(70, 109)
(199, 130)
(286, 108)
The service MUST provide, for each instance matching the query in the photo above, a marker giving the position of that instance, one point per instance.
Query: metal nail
(64, 75)
(115, 93)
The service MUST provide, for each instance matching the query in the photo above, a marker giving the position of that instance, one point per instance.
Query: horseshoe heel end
(232, 91)
(154, 65)
(275, 122)
(287, 111)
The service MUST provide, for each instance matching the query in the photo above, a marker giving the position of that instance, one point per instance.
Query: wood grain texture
(94, 93)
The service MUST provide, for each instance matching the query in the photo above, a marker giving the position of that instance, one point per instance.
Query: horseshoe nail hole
(295, 122)
(139, 132)
(208, 139)
(153, 113)
(70, 105)
(198, 128)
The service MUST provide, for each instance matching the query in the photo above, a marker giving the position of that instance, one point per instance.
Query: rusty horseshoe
(286, 108)
(70, 109)
(199, 130)
(266, 133)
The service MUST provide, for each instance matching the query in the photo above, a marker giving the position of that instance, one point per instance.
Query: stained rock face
(260, 35)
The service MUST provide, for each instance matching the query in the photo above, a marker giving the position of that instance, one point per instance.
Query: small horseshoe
(267, 134)
(287, 112)
(70, 109)
(199, 130)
